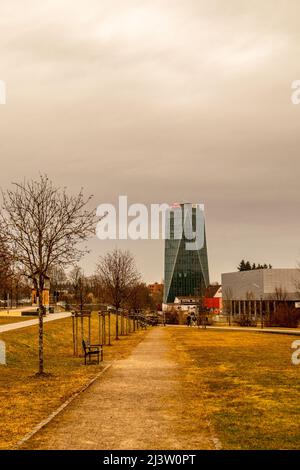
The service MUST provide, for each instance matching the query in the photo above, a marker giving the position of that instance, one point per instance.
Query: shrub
(172, 318)
(285, 315)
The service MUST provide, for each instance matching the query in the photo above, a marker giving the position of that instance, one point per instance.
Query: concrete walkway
(24, 324)
(142, 402)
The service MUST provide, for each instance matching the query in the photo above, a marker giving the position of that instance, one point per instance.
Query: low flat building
(259, 290)
(188, 304)
(184, 304)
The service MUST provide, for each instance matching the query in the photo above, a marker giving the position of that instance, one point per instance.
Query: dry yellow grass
(250, 388)
(26, 399)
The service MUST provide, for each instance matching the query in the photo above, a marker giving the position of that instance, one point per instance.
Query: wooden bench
(92, 350)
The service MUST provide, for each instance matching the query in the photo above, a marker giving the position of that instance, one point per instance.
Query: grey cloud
(163, 102)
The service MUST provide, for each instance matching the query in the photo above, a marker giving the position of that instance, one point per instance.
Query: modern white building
(266, 284)
(183, 304)
(260, 290)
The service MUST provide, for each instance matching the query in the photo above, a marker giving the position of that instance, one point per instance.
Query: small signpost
(2, 353)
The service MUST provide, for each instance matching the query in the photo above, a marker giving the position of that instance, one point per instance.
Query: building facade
(259, 291)
(186, 270)
(156, 288)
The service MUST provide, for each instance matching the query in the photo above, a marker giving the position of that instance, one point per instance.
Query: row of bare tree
(116, 282)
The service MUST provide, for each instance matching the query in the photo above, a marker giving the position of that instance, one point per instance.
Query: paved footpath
(24, 324)
(142, 402)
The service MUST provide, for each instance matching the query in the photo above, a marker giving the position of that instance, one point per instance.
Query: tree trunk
(17, 295)
(117, 324)
(41, 335)
(41, 342)
(122, 324)
(41, 330)
(109, 329)
(11, 297)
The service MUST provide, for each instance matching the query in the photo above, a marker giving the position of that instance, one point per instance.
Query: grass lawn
(26, 399)
(250, 388)
(8, 320)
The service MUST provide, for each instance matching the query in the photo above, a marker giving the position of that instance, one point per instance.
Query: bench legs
(99, 354)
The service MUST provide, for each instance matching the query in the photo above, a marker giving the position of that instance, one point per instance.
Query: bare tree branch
(118, 275)
(45, 227)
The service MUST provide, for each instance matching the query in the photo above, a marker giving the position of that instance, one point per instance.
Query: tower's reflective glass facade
(186, 271)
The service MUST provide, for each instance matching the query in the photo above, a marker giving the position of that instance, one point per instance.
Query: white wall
(261, 282)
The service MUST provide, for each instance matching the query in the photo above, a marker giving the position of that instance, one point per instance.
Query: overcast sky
(162, 101)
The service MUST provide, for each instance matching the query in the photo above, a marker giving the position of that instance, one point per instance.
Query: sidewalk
(24, 324)
(142, 402)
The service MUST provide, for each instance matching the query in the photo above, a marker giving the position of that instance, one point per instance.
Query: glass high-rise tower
(186, 270)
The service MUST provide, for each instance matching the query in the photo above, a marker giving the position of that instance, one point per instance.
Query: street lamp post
(261, 312)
